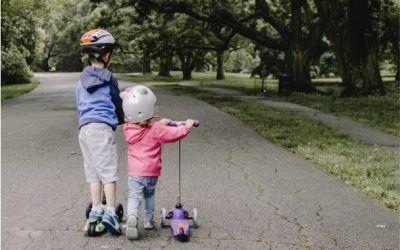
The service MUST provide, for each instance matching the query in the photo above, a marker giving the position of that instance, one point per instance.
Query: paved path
(356, 130)
(250, 194)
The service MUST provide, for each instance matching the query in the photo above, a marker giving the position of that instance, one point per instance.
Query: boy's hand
(164, 121)
(189, 123)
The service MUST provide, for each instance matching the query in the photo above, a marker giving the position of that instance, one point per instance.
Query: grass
(11, 91)
(377, 111)
(381, 112)
(369, 169)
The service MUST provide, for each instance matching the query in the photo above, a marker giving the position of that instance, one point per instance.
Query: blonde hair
(145, 123)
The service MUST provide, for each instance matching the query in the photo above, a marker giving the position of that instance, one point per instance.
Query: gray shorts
(97, 141)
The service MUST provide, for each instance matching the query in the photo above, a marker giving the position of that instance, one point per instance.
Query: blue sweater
(97, 98)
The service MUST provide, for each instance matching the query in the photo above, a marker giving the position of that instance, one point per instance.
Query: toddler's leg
(149, 201)
(135, 191)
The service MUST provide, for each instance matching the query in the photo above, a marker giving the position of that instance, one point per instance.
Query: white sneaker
(149, 225)
(131, 228)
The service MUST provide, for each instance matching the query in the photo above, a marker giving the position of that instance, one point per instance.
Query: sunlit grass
(11, 91)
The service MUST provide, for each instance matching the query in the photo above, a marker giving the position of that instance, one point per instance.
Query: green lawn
(369, 169)
(377, 111)
(381, 112)
(11, 91)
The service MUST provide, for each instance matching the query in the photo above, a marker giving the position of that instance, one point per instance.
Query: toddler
(144, 138)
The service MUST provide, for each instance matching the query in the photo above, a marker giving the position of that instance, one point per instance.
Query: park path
(250, 194)
(356, 130)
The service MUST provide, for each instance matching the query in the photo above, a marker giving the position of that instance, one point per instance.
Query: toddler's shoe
(110, 221)
(149, 225)
(131, 228)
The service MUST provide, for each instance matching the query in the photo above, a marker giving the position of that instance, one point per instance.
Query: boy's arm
(116, 99)
(168, 134)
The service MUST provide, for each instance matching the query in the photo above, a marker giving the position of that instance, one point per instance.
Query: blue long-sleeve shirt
(97, 98)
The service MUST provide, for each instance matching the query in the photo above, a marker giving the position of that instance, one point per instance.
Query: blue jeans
(139, 186)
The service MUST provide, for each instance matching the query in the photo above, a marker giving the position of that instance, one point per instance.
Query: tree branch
(221, 16)
(269, 17)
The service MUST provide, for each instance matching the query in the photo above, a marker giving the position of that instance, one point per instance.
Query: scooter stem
(179, 172)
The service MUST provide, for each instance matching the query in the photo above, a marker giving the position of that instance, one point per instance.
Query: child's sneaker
(149, 225)
(94, 217)
(131, 228)
(110, 221)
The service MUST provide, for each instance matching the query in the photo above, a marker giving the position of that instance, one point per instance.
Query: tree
(351, 28)
(18, 39)
(389, 40)
(296, 29)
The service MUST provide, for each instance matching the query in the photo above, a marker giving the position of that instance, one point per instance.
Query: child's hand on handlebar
(189, 123)
(165, 121)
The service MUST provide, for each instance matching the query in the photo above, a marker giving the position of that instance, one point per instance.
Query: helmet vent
(143, 91)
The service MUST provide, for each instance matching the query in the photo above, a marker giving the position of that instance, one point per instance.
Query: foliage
(369, 169)
(70, 19)
(14, 68)
(18, 39)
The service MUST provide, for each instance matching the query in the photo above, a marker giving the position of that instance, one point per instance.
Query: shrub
(14, 68)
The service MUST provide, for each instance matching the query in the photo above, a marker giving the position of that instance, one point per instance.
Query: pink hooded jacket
(144, 146)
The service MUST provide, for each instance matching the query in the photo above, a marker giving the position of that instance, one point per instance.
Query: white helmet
(138, 103)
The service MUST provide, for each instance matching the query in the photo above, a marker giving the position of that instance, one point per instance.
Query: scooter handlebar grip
(177, 123)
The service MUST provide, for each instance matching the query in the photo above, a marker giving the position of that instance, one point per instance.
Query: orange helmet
(97, 41)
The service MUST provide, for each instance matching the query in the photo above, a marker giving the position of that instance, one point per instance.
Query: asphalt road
(250, 194)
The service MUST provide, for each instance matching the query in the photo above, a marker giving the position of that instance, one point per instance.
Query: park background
(276, 65)
(337, 57)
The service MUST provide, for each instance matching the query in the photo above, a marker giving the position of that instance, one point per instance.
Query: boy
(100, 111)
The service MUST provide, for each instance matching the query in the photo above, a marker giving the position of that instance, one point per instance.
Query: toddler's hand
(165, 121)
(189, 123)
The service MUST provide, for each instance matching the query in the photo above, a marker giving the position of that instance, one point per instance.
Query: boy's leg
(149, 201)
(110, 193)
(104, 158)
(90, 168)
(95, 189)
(96, 212)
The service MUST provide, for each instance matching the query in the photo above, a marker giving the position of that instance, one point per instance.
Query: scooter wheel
(195, 221)
(92, 229)
(162, 217)
(119, 210)
(88, 209)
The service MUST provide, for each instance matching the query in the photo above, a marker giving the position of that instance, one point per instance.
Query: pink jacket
(144, 146)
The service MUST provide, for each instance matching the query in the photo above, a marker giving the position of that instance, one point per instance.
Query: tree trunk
(166, 63)
(146, 63)
(186, 66)
(299, 66)
(354, 44)
(298, 71)
(199, 64)
(396, 54)
(187, 73)
(45, 64)
(220, 65)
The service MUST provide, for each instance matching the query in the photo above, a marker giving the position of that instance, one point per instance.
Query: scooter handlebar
(178, 123)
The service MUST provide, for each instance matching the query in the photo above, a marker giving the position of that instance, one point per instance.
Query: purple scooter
(179, 216)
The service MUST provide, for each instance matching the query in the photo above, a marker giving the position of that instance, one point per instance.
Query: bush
(14, 68)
